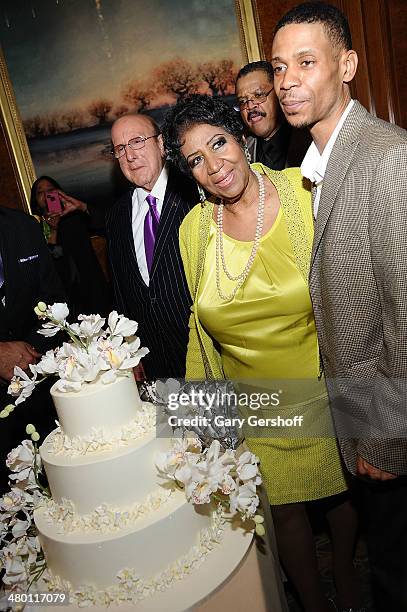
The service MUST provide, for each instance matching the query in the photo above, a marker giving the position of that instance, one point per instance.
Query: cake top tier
(97, 406)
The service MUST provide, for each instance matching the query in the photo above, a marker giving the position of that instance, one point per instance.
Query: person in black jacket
(147, 275)
(270, 139)
(71, 249)
(27, 276)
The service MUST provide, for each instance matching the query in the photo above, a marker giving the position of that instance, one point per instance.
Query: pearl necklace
(220, 255)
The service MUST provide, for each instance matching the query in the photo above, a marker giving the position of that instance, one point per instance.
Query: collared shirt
(314, 164)
(139, 210)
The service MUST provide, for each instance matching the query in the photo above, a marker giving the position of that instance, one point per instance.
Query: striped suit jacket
(358, 283)
(30, 277)
(162, 309)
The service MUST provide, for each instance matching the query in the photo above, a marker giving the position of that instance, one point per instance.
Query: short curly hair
(194, 110)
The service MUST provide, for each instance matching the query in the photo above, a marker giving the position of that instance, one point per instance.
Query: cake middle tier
(118, 477)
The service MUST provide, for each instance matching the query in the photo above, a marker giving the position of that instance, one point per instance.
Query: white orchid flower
(199, 492)
(21, 385)
(247, 468)
(47, 364)
(15, 571)
(21, 457)
(58, 312)
(49, 329)
(90, 326)
(19, 528)
(119, 325)
(228, 484)
(245, 500)
(13, 501)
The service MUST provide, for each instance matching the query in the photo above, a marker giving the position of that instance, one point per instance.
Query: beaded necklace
(220, 254)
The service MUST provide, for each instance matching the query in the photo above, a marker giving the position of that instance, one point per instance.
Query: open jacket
(358, 284)
(203, 355)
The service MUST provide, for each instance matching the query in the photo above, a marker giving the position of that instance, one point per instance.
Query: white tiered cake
(112, 533)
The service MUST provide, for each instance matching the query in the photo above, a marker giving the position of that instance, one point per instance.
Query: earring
(247, 153)
(202, 196)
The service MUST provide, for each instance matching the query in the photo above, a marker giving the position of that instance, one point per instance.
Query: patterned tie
(151, 222)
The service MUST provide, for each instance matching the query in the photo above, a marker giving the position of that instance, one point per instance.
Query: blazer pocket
(348, 245)
(364, 369)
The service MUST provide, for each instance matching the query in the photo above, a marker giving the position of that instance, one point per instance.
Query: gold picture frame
(16, 140)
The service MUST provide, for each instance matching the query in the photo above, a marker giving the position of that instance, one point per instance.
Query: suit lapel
(173, 207)
(128, 238)
(338, 165)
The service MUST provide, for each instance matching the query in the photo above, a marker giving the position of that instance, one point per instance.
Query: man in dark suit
(27, 276)
(142, 233)
(272, 141)
(358, 283)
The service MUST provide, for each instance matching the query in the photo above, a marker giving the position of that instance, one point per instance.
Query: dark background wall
(379, 36)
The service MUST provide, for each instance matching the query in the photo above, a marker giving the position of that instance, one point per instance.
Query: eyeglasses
(258, 98)
(135, 143)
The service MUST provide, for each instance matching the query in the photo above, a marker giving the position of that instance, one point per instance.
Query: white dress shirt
(314, 164)
(139, 210)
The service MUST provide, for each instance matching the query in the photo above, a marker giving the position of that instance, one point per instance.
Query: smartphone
(53, 201)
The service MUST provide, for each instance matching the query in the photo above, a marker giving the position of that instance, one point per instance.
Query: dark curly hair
(35, 209)
(194, 110)
(334, 21)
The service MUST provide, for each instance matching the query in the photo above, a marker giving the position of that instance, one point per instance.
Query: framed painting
(69, 68)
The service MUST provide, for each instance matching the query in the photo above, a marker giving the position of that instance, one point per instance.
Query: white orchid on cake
(21, 557)
(213, 474)
(93, 352)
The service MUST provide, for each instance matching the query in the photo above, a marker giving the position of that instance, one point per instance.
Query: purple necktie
(151, 222)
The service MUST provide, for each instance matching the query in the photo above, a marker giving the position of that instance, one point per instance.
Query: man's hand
(363, 468)
(71, 204)
(16, 353)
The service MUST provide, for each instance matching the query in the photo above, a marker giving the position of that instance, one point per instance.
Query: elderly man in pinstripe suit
(142, 233)
(358, 278)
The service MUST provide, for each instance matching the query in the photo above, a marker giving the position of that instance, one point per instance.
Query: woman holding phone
(65, 224)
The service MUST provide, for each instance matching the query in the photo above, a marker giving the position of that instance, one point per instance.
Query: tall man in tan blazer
(357, 165)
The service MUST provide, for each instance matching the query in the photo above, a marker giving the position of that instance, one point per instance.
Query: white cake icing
(97, 406)
(98, 440)
(110, 517)
(120, 477)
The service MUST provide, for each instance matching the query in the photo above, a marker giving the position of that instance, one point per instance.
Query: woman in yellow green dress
(246, 254)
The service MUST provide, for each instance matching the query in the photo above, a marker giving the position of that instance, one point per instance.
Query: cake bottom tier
(161, 544)
(180, 595)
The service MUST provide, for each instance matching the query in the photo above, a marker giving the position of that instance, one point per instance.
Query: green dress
(267, 332)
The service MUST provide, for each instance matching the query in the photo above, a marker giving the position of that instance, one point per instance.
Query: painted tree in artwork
(220, 76)
(34, 126)
(99, 109)
(138, 94)
(225, 81)
(120, 110)
(209, 73)
(73, 119)
(176, 77)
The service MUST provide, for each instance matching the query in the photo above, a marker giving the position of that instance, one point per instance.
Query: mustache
(255, 113)
(288, 98)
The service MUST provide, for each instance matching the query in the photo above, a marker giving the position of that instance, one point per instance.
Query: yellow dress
(267, 332)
